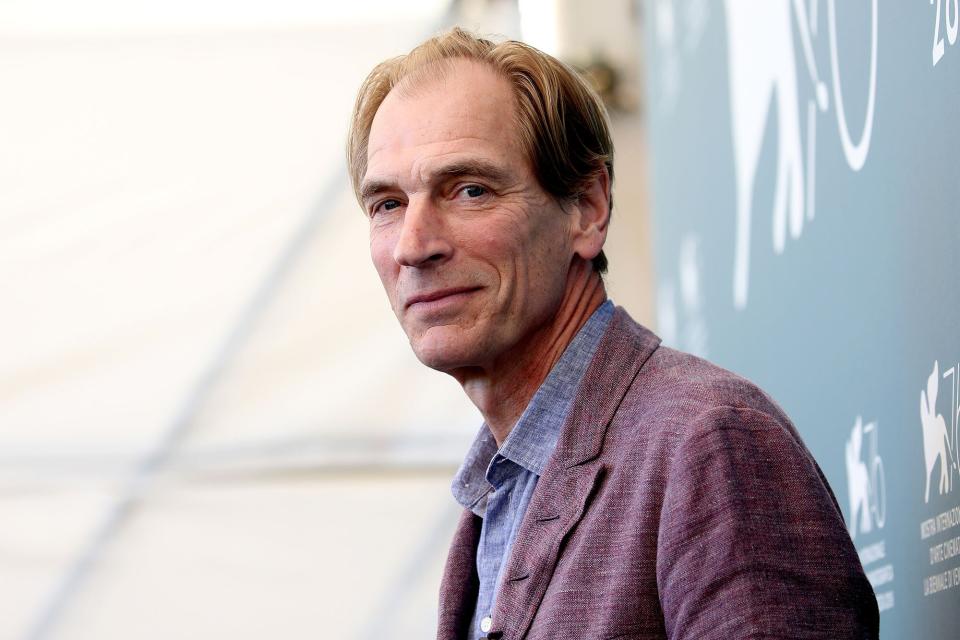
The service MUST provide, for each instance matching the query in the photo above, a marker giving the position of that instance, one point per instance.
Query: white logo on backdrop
(866, 485)
(939, 531)
(762, 68)
(673, 42)
(682, 325)
(936, 439)
(867, 493)
(952, 27)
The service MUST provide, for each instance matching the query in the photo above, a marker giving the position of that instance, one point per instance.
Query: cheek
(547, 261)
(521, 255)
(508, 239)
(543, 250)
(381, 254)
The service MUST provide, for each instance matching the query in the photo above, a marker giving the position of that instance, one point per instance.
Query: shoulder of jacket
(677, 396)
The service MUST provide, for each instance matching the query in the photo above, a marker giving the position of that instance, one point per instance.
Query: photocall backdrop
(806, 193)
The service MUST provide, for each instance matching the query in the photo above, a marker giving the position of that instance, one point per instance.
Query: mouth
(439, 297)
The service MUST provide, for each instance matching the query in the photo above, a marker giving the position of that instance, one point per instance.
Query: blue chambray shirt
(498, 485)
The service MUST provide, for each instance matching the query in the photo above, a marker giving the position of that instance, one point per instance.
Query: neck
(502, 392)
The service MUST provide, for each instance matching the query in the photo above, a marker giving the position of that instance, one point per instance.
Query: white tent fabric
(154, 185)
(210, 423)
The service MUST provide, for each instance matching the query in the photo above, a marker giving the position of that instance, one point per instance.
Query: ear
(593, 217)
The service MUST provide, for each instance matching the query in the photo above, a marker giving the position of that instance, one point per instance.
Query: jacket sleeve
(751, 541)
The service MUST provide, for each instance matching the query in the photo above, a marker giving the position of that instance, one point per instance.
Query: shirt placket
(494, 539)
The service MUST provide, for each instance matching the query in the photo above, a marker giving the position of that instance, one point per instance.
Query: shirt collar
(532, 440)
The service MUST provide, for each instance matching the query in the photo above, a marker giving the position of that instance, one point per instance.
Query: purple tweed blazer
(680, 502)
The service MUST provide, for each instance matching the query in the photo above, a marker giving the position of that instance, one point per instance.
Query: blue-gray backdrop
(806, 194)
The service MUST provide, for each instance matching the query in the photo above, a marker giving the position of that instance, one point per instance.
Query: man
(617, 489)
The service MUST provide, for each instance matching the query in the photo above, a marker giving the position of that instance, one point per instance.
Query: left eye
(473, 191)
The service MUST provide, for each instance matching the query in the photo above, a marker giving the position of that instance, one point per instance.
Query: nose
(423, 239)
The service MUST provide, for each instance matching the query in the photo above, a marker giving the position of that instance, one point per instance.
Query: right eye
(386, 205)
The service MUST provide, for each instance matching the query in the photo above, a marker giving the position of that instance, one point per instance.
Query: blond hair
(561, 121)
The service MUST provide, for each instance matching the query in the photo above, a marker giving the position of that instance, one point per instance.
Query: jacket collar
(562, 496)
(625, 347)
(534, 437)
(572, 476)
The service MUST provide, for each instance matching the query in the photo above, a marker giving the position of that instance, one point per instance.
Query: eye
(385, 205)
(473, 191)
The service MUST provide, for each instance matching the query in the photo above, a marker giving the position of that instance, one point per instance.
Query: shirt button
(486, 623)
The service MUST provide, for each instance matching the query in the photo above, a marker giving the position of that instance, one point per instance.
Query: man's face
(473, 254)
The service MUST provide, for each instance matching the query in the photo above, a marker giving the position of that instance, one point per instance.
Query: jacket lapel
(460, 584)
(554, 511)
(571, 478)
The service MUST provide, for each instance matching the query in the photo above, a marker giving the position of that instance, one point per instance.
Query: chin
(447, 348)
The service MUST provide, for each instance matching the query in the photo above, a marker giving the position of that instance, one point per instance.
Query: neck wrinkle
(503, 394)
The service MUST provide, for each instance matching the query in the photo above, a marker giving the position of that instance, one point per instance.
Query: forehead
(467, 110)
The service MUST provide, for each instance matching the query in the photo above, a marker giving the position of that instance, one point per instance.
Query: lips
(437, 295)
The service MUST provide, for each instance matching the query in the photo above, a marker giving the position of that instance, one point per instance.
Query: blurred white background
(210, 423)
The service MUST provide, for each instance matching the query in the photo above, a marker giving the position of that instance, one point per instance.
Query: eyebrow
(372, 188)
(479, 168)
